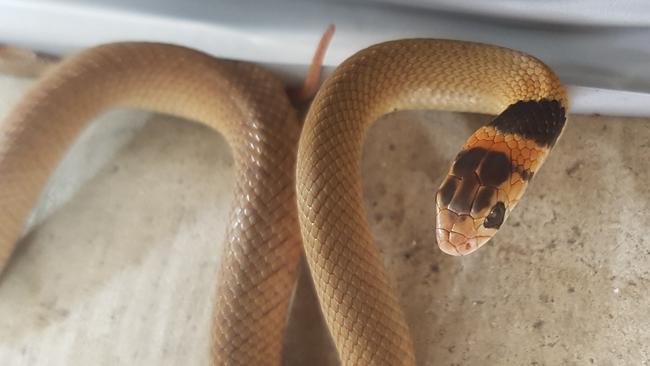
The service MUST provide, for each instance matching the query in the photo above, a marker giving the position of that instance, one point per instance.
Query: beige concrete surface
(118, 267)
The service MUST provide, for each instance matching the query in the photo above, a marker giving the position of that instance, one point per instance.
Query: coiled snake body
(249, 107)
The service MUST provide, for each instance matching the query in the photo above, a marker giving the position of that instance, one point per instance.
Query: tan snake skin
(356, 295)
(249, 107)
(245, 103)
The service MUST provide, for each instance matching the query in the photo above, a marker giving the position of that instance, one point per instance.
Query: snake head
(463, 233)
(491, 173)
(475, 198)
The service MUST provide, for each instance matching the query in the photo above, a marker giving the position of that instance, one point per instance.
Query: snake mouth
(457, 244)
(458, 234)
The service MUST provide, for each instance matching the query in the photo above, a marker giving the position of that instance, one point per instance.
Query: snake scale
(298, 185)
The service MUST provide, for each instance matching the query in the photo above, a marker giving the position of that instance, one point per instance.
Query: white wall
(597, 44)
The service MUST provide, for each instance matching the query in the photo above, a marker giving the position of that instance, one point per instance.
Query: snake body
(243, 102)
(249, 107)
(360, 308)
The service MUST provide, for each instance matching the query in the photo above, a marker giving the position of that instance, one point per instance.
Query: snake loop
(360, 307)
(249, 107)
(243, 102)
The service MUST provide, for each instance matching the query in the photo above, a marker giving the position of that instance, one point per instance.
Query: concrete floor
(118, 267)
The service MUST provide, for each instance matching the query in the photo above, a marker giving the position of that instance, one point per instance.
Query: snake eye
(495, 218)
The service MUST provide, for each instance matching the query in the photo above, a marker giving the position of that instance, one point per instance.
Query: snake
(298, 185)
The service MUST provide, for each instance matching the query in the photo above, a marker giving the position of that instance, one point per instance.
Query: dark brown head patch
(447, 190)
(467, 161)
(491, 167)
(539, 120)
(494, 169)
(464, 197)
(473, 168)
(483, 199)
